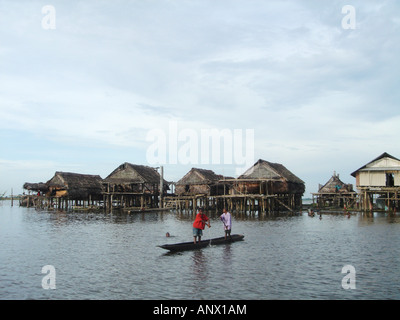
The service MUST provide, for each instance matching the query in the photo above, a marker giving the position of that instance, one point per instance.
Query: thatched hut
(34, 191)
(36, 187)
(130, 177)
(269, 178)
(64, 188)
(335, 185)
(335, 193)
(133, 185)
(200, 187)
(75, 186)
(271, 184)
(199, 182)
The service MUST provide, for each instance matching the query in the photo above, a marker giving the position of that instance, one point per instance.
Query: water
(115, 256)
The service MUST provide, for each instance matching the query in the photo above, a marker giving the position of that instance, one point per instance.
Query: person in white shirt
(226, 218)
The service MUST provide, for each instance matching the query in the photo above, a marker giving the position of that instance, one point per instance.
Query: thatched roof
(42, 187)
(264, 170)
(128, 173)
(79, 186)
(199, 176)
(334, 184)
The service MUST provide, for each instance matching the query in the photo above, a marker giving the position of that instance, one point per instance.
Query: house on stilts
(198, 188)
(33, 194)
(65, 190)
(266, 187)
(134, 186)
(378, 183)
(335, 194)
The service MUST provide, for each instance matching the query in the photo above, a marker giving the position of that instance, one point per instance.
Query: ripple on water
(103, 256)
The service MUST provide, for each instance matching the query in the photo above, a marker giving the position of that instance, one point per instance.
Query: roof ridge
(383, 155)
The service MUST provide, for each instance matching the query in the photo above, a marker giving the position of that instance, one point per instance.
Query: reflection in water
(188, 215)
(116, 256)
(227, 256)
(369, 218)
(199, 271)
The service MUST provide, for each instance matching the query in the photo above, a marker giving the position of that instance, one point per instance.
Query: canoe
(184, 246)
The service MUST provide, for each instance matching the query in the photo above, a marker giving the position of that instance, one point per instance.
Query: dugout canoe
(184, 246)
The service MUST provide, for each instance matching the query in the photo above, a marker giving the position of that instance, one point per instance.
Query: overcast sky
(82, 95)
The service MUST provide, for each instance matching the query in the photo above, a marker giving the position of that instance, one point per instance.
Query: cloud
(111, 72)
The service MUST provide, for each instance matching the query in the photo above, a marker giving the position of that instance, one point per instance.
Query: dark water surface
(115, 256)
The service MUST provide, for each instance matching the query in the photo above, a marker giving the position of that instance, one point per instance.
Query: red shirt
(200, 221)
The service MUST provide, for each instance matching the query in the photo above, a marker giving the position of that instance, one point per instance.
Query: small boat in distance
(184, 246)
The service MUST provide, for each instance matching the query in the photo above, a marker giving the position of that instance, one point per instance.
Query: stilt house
(75, 186)
(199, 182)
(134, 185)
(64, 189)
(378, 183)
(32, 199)
(199, 188)
(35, 187)
(271, 180)
(335, 193)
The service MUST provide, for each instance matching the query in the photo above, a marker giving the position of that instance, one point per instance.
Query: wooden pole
(161, 186)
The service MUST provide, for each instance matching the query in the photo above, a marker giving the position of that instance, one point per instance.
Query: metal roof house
(383, 171)
(378, 183)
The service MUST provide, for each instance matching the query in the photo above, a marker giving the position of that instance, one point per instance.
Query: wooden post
(12, 198)
(161, 186)
(365, 201)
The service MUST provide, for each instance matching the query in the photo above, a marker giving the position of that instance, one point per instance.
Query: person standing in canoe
(199, 224)
(226, 218)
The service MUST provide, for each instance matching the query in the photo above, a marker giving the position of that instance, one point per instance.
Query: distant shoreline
(11, 198)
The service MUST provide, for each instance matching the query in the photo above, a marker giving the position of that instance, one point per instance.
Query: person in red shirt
(199, 224)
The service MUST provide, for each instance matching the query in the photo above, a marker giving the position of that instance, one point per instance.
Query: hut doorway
(389, 180)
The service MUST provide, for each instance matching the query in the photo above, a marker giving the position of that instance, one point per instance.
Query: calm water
(115, 256)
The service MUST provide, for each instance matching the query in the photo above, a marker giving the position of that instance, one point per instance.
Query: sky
(88, 85)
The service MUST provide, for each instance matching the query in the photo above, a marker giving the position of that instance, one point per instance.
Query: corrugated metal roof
(383, 155)
(381, 169)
